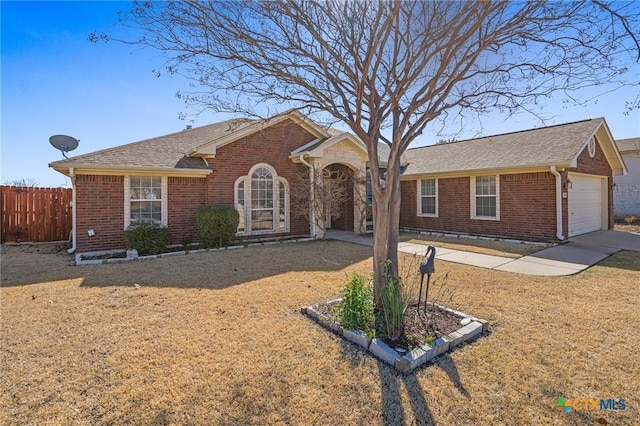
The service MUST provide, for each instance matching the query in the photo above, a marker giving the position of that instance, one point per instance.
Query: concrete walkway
(578, 254)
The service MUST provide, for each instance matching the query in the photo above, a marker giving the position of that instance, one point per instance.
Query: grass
(494, 248)
(217, 338)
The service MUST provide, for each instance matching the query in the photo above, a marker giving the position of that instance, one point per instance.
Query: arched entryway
(340, 212)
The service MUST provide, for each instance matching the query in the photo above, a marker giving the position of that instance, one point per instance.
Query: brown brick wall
(99, 206)
(527, 208)
(272, 146)
(185, 196)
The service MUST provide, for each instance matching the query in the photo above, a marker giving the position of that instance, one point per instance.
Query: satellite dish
(64, 143)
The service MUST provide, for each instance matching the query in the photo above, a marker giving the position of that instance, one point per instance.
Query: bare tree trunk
(386, 234)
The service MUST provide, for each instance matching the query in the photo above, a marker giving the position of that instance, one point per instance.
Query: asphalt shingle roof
(551, 145)
(631, 144)
(169, 151)
(544, 146)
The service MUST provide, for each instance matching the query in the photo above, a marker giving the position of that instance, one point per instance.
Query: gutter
(73, 212)
(312, 214)
(558, 202)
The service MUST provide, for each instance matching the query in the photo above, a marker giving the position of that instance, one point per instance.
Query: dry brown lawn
(493, 248)
(635, 227)
(217, 338)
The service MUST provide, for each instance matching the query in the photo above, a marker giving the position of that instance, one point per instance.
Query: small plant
(356, 311)
(429, 340)
(216, 225)
(630, 220)
(147, 238)
(392, 309)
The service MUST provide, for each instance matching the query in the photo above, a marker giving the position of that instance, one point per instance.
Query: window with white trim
(485, 199)
(145, 200)
(428, 197)
(240, 205)
(262, 201)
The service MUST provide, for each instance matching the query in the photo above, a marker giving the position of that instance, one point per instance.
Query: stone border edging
(417, 356)
(80, 262)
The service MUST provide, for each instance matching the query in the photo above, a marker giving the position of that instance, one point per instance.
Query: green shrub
(147, 238)
(356, 311)
(393, 305)
(216, 225)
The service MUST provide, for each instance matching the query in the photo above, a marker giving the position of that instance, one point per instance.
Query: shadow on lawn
(629, 260)
(392, 412)
(213, 270)
(390, 382)
(390, 387)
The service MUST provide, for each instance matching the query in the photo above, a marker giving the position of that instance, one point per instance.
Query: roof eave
(87, 169)
(494, 170)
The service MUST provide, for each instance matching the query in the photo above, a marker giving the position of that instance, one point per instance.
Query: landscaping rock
(398, 358)
(358, 337)
(471, 330)
(411, 360)
(384, 352)
(454, 338)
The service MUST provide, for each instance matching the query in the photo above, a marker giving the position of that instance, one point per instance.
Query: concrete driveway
(569, 258)
(578, 254)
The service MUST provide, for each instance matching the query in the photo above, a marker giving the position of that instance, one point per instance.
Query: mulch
(420, 328)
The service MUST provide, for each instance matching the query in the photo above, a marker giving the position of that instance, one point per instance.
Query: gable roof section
(208, 149)
(316, 147)
(180, 153)
(558, 145)
(628, 145)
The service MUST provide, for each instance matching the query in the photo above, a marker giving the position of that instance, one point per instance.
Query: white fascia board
(80, 169)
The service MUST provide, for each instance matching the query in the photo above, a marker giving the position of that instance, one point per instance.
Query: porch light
(568, 184)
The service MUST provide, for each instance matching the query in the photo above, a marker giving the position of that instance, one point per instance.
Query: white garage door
(585, 204)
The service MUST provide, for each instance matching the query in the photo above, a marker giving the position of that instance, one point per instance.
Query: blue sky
(54, 81)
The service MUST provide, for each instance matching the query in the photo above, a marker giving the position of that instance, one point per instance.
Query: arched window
(262, 201)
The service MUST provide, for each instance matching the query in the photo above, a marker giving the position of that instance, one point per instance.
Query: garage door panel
(585, 204)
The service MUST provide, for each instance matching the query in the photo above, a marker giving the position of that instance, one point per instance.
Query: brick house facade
(527, 208)
(528, 195)
(100, 198)
(508, 186)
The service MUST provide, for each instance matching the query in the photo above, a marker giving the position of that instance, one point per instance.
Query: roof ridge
(508, 133)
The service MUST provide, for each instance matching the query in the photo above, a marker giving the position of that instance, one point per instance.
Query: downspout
(558, 202)
(72, 175)
(312, 215)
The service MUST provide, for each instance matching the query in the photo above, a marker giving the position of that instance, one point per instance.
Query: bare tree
(363, 205)
(390, 69)
(27, 182)
(324, 196)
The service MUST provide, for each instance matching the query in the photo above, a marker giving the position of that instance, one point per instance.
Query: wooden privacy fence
(35, 214)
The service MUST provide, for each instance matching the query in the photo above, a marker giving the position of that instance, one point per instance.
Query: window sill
(264, 232)
(493, 218)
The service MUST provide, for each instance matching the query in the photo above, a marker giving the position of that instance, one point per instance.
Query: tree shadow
(390, 382)
(392, 412)
(448, 365)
